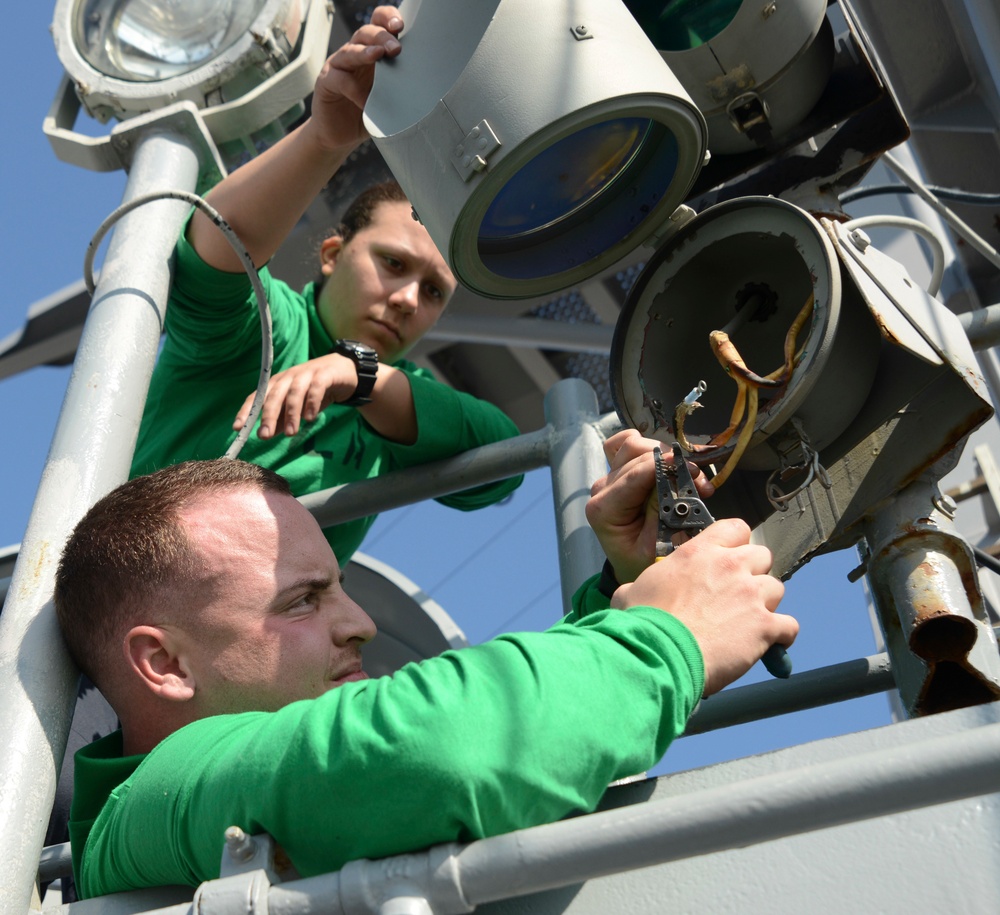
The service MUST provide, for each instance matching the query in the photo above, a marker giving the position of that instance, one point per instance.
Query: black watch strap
(365, 360)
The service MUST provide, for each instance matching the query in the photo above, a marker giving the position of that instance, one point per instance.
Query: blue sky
(490, 570)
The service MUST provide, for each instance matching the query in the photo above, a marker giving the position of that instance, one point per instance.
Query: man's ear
(329, 251)
(155, 657)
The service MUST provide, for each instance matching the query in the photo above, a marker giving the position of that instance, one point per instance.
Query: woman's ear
(329, 251)
(155, 656)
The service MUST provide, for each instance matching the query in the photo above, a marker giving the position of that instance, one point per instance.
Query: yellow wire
(747, 397)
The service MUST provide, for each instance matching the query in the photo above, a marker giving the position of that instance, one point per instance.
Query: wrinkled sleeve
(522, 730)
(212, 316)
(448, 423)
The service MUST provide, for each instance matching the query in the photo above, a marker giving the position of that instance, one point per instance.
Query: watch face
(355, 347)
(366, 360)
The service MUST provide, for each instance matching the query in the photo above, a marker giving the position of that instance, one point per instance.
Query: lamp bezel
(105, 96)
(671, 112)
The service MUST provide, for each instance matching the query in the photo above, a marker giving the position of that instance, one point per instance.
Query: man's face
(387, 286)
(267, 622)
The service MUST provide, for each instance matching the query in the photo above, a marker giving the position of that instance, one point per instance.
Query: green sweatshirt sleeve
(448, 423)
(522, 730)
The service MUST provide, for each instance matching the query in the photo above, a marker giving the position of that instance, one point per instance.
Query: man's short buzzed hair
(129, 550)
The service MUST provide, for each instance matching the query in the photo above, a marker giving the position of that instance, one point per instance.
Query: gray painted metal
(577, 460)
(90, 454)
(922, 577)
(700, 834)
(531, 332)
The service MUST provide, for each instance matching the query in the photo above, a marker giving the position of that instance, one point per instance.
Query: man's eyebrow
(305, 585)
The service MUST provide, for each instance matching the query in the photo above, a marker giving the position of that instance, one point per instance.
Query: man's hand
(621, 510)
(300, 393)
(343, 84)
(718, 585)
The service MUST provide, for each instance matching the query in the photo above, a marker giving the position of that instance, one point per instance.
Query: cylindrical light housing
(750, 264)
(538, 142)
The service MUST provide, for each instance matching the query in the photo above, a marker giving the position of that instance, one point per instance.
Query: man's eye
(392, 262)
(304, 604)
(433, 292)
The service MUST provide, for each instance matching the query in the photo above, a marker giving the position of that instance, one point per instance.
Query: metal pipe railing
(455, 878)
(90, 454)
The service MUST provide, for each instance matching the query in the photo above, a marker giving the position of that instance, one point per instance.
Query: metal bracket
(245, 854)
(798, 457)
(469, 157)
(114, 151)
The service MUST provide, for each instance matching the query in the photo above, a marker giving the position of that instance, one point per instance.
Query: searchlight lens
(680, 25)
(150, 40)
(578, 198)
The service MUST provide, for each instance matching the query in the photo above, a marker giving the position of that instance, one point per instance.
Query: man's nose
(353, 625)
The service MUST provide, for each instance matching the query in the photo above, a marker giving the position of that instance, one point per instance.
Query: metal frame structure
(900, 771)
(901, 818)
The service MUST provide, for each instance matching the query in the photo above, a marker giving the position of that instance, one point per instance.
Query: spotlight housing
(754, 69)
(538, 143)
(128, 57)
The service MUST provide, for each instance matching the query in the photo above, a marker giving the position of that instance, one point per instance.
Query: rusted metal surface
(926, 591)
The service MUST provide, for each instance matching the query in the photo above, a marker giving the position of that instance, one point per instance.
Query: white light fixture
(750, 264)
(538, 142)
(755, 68)
(855, 381)
(244, 64)
(132, 56)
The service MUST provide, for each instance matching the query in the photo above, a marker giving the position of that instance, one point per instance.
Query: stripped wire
(267, 348)
(748, 385)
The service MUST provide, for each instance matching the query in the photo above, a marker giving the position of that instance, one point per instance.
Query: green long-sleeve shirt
(521, 730)
(210, 362)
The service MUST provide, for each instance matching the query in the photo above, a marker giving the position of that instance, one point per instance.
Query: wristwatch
(365, 360)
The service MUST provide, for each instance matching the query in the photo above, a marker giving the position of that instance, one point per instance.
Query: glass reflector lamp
(129, 57)
(538, 143)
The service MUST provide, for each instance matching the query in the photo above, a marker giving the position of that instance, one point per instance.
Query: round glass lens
(579, 198)
(564, 178)
(149, 40)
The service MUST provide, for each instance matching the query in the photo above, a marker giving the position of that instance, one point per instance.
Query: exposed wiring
(748, 384)
(267, 349)
(954, 194)
(684, 409)
(914, 225)
(963, 229)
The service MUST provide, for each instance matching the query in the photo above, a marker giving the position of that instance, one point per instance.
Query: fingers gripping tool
(680, 509)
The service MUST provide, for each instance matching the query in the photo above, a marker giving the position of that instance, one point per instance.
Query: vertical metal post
(925, 589)
(90, 454)
(576, 459)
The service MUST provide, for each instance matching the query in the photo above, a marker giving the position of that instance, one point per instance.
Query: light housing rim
(104, 96)
(667, 112)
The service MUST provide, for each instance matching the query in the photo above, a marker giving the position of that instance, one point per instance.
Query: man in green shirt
(343, 404)
(207, 606)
